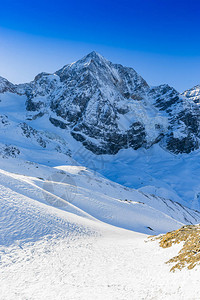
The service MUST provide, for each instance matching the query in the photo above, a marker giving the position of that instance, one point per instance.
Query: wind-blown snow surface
(117, 265)
(57, 239)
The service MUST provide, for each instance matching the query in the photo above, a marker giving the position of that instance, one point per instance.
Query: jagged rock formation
(108, 107)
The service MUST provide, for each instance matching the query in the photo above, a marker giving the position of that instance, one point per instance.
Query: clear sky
(160, 39)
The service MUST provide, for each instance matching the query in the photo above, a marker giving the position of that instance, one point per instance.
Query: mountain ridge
(97, 112)
(109, 107)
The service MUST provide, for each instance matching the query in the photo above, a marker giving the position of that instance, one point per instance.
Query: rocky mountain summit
(108, 107)
(193, 94)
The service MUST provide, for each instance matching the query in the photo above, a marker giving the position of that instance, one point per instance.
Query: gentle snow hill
(37, 201)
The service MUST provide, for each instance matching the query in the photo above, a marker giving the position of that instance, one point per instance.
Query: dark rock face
(183, 145)
(58, 123)
(29, 132)
(165, 98)
(3, 121)
(9, 151)
(184, 120)
(136, 136)
(108, 107)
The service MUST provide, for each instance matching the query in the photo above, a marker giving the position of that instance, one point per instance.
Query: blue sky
(158, 38)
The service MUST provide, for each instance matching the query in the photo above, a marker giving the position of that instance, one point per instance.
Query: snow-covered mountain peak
(108, 107)
(95, 67)
(92, 57)
(6, 86)
(95, 56)
(193, 94)
(85, 62)
(99, 106)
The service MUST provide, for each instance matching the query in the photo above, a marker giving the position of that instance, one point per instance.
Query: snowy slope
(36, 198)
(117, 265)
(154, 171)
(57, 239)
